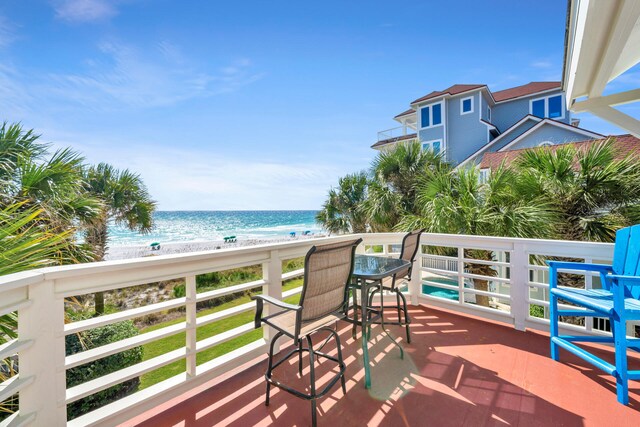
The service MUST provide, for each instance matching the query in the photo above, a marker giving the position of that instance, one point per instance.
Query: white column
(42, 322)
(519, 280)
(272, 274)
(191, 314)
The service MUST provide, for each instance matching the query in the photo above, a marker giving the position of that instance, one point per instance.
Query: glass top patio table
(368, 273)
(370, 267)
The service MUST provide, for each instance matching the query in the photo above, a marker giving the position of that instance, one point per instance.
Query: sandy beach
(139, 251)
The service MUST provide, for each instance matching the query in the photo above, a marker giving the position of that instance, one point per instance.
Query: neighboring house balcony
(389, 136)
(467, 364)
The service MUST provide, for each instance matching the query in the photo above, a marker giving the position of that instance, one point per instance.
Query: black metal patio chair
(410, 246)
(324, 300)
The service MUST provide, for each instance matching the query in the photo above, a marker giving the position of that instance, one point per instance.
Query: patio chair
(617, 300)
(324, 300)
(410, 245)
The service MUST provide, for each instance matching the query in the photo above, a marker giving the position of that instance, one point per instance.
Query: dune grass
(164, 345)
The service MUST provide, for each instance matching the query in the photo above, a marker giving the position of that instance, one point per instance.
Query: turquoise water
(183, 226)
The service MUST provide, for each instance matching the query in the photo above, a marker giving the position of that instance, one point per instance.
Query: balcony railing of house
(396, 132)
(447, 278)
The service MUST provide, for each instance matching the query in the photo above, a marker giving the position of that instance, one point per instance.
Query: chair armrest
(626, 279)
(602, 268)
(260, 299)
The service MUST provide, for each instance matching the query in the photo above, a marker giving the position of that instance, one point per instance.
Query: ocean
(184, 226)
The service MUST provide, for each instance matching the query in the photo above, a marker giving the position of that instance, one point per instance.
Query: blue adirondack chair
(618, 300)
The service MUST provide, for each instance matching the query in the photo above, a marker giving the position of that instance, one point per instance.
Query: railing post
(272, 274)
(460, 268)
(42, 323)
(415, 282)
(519, 280)
(191, 317)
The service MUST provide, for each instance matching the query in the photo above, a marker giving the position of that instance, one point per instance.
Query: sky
(248, 105)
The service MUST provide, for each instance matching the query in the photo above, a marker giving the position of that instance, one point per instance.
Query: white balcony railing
(394, 132)
(446, 278)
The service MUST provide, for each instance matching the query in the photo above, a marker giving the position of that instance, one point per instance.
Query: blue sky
(254, 104)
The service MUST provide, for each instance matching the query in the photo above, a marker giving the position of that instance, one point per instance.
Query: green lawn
(174, 342)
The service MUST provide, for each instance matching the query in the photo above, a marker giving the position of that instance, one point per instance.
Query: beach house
(465, 121)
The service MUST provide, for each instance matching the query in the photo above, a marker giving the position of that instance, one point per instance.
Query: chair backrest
(410, 246)
(626, 256)
(327, 271)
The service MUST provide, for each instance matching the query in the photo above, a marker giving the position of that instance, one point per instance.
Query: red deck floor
(457, 371)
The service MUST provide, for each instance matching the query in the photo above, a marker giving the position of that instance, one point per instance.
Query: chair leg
(553, 325)
(270, 367)
(300, 357)
(340, 361)
(620, 340)
(354, 328)
(312, 374)
(398, 305)
(407, 319)
(371, 295)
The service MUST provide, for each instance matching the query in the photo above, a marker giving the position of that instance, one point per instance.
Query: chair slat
(631, 261)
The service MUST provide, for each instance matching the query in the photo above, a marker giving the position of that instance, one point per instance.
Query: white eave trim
(529, 95)
(499, 137)
(561, 125)
(435, 99)
(601, 44)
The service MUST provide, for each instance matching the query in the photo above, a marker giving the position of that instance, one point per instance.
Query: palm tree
(343, 212)
(125, 201)
(594, 193)
(396, 172)
(53, 185)
(457, 202)
(25, 244)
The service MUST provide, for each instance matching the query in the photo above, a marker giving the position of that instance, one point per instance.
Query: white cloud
(84, 10)
(201, 179)
(121, 76)
(127, 77)
(542, 63)
(7, 34)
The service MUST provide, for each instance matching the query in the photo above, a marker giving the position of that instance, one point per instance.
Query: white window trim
(430, 142)
(431, 125)
(462, 112)
(545, 144)
(546, 106)
(488, 113)
(483, 175)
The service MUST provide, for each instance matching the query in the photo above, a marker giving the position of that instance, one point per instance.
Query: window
(425, 121)
(545, 144)
(435, 145)
(537, 108)
(488, 114)
(466, 105)
(555, 106)
(436, 114)
(483, 176)
(551, 107)
(431, 115)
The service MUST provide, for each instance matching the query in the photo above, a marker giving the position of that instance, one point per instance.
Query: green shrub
(536, 311)
(95, 338)
(292, 264)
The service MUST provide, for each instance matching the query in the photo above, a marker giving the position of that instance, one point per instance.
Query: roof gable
(534, 128)
(623, 146)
